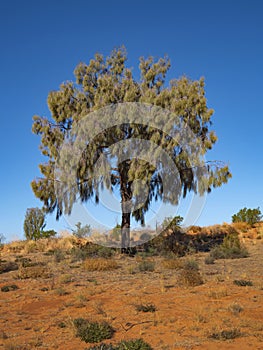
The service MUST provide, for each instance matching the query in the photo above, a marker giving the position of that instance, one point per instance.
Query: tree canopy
(100, 124)
(251, 216)
(34, 225)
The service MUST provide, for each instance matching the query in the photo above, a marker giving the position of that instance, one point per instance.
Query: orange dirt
(32, 317)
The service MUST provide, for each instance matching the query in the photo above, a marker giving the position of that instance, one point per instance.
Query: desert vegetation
(94, 297)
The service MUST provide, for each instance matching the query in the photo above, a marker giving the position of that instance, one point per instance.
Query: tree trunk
(126, 207)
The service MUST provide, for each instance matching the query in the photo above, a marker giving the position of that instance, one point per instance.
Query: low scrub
(243, 283)
(135, 344)
(231, 248)
(190, 278)
(9, 288)
(145, 307)
(226, 334)
(92, 332)
(146, 266)
(99, 264)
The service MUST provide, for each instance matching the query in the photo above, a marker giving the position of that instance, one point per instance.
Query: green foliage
(250, 216)
(243, 283)
(92, 332)
(34, 225)
(134, 344)
(108, 82)
(82, 232)
(146, 307)
(91, 251)
(231, 248)
(209, 260)
(191, 264)
(146, 265)
(226, 334)
(172, 223)
(9, 288)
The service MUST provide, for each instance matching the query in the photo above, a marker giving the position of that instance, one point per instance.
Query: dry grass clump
(190, 278)
(99, 264)
(33, 272)
(226, 334)
(172, 264)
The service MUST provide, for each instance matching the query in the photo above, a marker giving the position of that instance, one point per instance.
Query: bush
(231, 248)
(146, 265)
(91, 250)
(209, 260)
(243, 283)
(251, 216)
(100, 264)
(226, 334)
(191, 264)
(136, 344)
(190, 278)
(9, 288)
(145, 307)
(92, 332)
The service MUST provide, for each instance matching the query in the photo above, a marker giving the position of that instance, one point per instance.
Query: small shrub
(209, 260)
(226, 334)
(61, 291)
(92, 332)
(243, 283)
(231, 248)
(59, 255)
(9, 288)
(65, 279)
(146, 265)
(8, 266)
(235, 308)
(191, 264)
(100, 264)
(135, 344)
(145, 307)
(33, 272)
(172, 264)
(62, 325)
(190, 278)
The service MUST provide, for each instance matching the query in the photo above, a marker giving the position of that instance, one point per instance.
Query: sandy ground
(40, 313)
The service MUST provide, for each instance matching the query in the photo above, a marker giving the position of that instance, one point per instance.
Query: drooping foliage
(109, 82)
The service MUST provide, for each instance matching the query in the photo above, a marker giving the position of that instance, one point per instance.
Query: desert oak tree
(108, 81)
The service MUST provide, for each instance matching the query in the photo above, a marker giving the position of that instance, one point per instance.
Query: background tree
(173, 223)
(251, 216)
(107, 81)
(82, 231)
(34, 225)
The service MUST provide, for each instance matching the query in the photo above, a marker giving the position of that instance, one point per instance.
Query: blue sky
(42, 42)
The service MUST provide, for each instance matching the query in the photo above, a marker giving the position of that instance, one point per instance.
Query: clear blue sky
(42, 42)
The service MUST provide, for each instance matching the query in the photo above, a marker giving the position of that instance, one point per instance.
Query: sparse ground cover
(149, 298)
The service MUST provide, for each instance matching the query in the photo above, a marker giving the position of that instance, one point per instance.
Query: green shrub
(9, 288)
(92, 332)
(231, 248)
(226, 334)
(135, 344)
(243, 283)
(191, 264)
(145, 307)
(146, 265)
